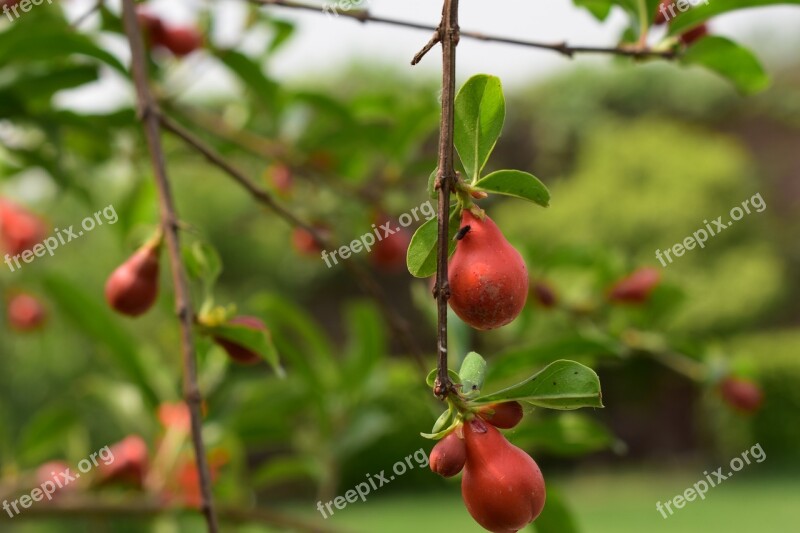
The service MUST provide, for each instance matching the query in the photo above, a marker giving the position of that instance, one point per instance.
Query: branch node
(436, 39)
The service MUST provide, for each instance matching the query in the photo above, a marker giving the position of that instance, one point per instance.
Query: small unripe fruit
(132, 288)
(544, 294)
(129, 464)
(25, 313)
(448, 456)
(280, 176)
(504, 415)
(488, 278)
(239, 353)
(502, 485)
(661, 18)
(152, 26)
(695, 34)
(181, 41)
(635, 288)
(304, 243)
(175, 416)
(741, 394)
(20, 229)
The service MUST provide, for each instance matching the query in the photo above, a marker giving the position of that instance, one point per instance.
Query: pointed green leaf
(561, 385)
(700, 14)
(516, 183)
(472, 373)
(431, 379)
(257, 341)
(421, 258)
(730, 61)
(480, 110)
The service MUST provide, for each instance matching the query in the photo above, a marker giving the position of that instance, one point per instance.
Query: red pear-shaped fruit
(239, 353)
(505, 415)
(133, 287)
(742, 394)
(129, 464)
(502, 485)
(488, 278)
(448, 455)
(636, 287)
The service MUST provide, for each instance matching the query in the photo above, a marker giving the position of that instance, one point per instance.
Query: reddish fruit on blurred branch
(239, 353)
(389, 253)
(743, 395)
(504, 415)
(544, 294)
(129, 463)
(132, 288)
(20, 229)
(502, 485)
(635, 288)
(488, 278)
(448, 456)
(25, 313)
(695, 34)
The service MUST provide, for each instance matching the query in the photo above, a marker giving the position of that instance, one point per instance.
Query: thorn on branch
(436, 39)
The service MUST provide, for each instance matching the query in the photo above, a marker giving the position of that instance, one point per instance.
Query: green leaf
(566, 435)
(255, 340)
(480, 110)
(281, 470)
(556, 516)
(421, 257)
(561, 385)
(600, 9)
(367, 342)
(44, 435)
(202, 262)
(516, 183)
(433, 194)
(444, 420)
(250, 74)
(712, 8)
(730, 61)
(472, 373)
(431, 379)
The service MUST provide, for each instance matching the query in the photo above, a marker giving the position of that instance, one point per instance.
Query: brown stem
(563, 48)
(448, 35)
(149, 115)
(363, 277)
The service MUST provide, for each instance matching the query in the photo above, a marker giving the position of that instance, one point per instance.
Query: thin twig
(85, 16)
(362, 276)
(183, 305)
(562, 47)
(446, 177)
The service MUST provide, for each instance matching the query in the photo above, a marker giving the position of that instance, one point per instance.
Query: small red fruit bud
(502, 485)
(389, 253)
(662, 12)
(239, 353)
(175, 416)
(504, 415)
(448, 455)
(635, 288)
(20, 229)
(695, 34)
(152, 26)
(741, 394)
(488, 278)
(25, 313)
(181, 41)
(129, 464)
(305, 244)
(132, 288)
(545, 295)
(280, 175)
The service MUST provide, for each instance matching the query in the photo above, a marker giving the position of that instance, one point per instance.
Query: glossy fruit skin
(502, 485)
(132, 288)
(239, 353)
(25, 313)
(741, 394)
(695, 34)
(130, 462)
(181, 41)
(505, 415)
(488, 277)
(448, 456)
(635, 288)
(20, 229)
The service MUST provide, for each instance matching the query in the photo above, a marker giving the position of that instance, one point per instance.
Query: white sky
(324, 42)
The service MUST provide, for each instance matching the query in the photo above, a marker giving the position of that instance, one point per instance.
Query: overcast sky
(324, 42)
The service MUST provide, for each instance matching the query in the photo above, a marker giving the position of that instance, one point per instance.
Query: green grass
(604, 503)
